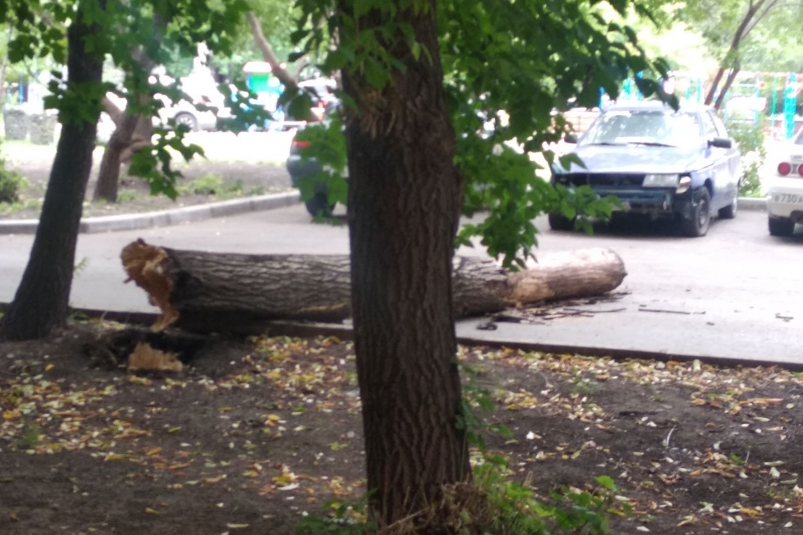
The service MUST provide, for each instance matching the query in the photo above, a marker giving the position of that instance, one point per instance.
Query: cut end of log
(568, 274)
(146, 266)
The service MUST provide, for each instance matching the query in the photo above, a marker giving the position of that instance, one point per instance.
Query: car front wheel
(319, 205)
(697, 225)
(729, 212)
(188, 120)
(780, 226)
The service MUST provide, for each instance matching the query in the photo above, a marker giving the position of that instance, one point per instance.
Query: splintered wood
(146, 266)
(146, 358)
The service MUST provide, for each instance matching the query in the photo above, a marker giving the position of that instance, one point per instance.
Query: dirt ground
(236, 174)
(253, 434)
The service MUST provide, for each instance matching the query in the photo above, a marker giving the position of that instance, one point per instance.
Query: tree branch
(114, 112)
(302, 63)
(759, 17)
(267, 52)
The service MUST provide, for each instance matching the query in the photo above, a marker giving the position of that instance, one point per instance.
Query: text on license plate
(787, 198)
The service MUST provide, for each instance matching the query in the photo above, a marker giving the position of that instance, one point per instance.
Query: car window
(621, 127)
(709, 126)
(799, 138)
(723, 132)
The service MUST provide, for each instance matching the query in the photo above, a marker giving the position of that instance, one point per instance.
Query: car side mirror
(721, 143)
(570, 138)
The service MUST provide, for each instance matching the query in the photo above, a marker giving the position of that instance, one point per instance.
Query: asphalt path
(735, 294)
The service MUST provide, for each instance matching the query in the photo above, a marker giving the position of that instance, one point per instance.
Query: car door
(734, 156)
(718, 160)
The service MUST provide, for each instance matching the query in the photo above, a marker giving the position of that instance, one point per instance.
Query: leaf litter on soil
(257, 433)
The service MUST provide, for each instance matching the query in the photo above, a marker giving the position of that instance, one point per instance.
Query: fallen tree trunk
(224, 292)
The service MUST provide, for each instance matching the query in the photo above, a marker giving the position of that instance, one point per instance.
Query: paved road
(725, 291)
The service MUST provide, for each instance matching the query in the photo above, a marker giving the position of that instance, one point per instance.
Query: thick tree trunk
(238, 293)
(404, 203)
(42, 299)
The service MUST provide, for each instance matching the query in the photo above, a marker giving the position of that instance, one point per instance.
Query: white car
(785, 192)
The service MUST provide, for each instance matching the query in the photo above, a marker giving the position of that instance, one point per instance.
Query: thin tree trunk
(42, 299)
(726, 87)
(404, 199)
(225, 292)
(109, 174)
(712, 91)
(4, 67)
(732, 56)
(115, 113)
(268, 54)
(141, 139)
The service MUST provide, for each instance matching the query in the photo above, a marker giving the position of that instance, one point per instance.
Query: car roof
(655, 105)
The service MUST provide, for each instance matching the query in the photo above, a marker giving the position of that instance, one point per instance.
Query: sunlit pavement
(736, 293)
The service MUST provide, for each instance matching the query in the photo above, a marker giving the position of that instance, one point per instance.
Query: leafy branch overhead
(513, 65)
(133, 34)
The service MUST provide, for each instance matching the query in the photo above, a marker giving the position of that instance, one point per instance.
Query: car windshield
(645, 127)
(799, 138)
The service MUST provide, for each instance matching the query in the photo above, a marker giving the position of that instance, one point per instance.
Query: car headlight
(684, 184)
(661, 181)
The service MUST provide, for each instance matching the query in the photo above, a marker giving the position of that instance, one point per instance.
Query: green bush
(11, 184)
(750, 139)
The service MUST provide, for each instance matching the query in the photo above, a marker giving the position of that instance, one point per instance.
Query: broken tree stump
(227, 292)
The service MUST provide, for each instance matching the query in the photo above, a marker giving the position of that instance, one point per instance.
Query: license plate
(789, 198)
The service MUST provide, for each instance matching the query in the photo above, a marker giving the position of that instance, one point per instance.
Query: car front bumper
(655, 202)
(785, 199)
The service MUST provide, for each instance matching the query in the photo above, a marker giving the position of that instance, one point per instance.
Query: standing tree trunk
(404, 199)
(727, 85)
(42, 299)
(109, 174)
(4, 67)
(712, 91)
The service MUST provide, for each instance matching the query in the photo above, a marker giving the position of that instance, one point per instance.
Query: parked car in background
(184, 112)
(785, 191)
(299, 169)
(659, 162)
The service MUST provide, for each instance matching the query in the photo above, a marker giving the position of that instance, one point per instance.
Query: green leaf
(376, 74)
(606, 482)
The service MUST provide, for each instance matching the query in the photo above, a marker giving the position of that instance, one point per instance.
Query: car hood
(637, 159)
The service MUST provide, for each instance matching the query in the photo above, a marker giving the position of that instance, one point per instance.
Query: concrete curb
(164, 218)
(345, 332)
(753, 204)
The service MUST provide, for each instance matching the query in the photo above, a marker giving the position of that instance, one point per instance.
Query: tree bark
(238, 293)
(267, 52)
(404, 201)
(741, 32)
(115, 113)
(712, 91)
(726, 86)
(4, 67)
(108, 182)
(42, 299)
